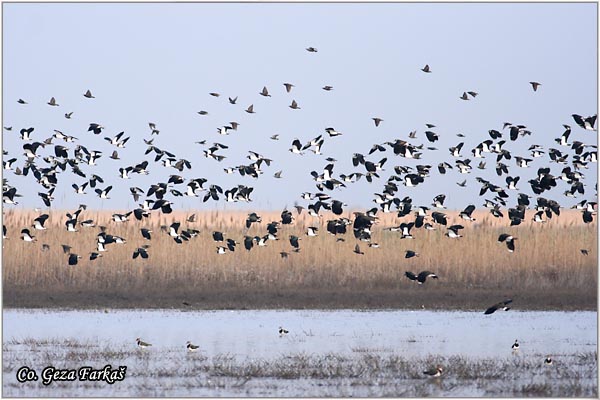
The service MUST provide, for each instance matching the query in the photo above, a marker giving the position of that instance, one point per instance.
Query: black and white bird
(503, 305)
(73, 259)
(26, 236)
(39, 222)
(586, 123)
(117, 141)
(509, 239)
(421, 277)
(283, 332)
(434, 372)
(411, 254)
(548, 361)
(515, 346)
(191, 347)
(141, 344)
(453, 231)
(103, 194)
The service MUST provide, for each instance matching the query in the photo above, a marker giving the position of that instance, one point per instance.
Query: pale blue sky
(158, 62)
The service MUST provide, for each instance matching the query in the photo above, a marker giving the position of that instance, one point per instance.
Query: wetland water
(241, 339)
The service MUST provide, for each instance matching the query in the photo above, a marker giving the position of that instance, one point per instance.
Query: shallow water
(245, 336)
(254, 333)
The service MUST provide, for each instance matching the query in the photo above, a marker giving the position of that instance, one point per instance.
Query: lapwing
(283, 332)
(515, 346)
(73, 259)
(141, 252)
(411, 254)
(586, 123)
(191, 347)
(453, 231)
(26, 236)
(501, 305)
(434, 372)
(510, 241)
(548, 361)
(421, 278)
(141, 344)
(312, 231)
(221, 250)
(39, 222)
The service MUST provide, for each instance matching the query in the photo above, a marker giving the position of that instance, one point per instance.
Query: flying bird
(501, 305)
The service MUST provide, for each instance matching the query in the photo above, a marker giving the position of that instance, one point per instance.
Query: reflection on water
(245, 334)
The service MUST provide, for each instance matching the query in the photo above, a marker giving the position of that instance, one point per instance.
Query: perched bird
(283, 332)
(548, 361)
(515, 346)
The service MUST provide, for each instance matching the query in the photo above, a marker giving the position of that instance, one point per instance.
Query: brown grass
(546, 264)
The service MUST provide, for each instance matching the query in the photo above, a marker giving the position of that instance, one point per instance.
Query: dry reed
(547, 260)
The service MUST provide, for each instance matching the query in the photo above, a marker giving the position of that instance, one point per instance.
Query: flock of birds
(435, 371)
(64, 153)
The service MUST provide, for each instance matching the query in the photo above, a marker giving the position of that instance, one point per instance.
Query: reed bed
(547, 262)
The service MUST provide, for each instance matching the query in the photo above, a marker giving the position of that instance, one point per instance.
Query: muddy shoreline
(219, 298)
